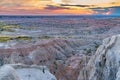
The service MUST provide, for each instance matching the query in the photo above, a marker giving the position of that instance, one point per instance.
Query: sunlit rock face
(105, 64)
(70, 69)
(54, 49)
(57, 54)
(8, 73)
(25, 72)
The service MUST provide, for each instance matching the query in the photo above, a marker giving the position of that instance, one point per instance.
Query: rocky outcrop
(58, 49)
(25, 72)
(105, 64)
(8, 73)
(69, 70)
(58, 55)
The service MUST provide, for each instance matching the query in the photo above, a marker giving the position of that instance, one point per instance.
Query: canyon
(59, 48)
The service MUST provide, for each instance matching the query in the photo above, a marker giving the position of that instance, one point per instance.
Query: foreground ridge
(25, 72)
(105, 64)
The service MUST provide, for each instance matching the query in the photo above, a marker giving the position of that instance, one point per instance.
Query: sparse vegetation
(4, 38)
(96, 45)
(6, 27)
(8, 38)
(1, 61)
(45, 37)
(23, 38)
(88, 51)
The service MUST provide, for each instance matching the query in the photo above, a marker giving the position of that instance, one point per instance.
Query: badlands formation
(59, 56)
(25, 72)
(105, 64)
(59, 48)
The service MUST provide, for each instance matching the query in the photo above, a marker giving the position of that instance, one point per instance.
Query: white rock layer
(25, 72)
(105, 64)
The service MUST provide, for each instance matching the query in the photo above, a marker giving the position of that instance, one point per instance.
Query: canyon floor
(59, 48)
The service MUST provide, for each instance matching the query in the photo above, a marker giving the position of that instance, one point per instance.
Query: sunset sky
(59, 7)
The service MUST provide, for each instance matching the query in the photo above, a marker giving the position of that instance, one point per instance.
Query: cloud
(77, 5)
(53, 7)
(64, 7)
(11, 5)
(91, 3)
(113, 3)
(87, 2)
(114, 10)
(99, 9)
(20, 3)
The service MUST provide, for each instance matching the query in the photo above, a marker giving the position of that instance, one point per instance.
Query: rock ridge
(105, 64)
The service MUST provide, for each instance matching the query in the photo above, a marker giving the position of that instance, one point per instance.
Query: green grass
(45, 37)
(9, 28)
(26, 38)
(4, 38)
(6, 27)
(19, 38)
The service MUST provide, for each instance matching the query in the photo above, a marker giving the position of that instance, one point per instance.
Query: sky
(59, 7)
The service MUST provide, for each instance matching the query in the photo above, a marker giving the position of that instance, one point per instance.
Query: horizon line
(57, 15)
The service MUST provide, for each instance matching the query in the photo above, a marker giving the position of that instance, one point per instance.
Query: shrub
(23, 38)
(4, 38)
